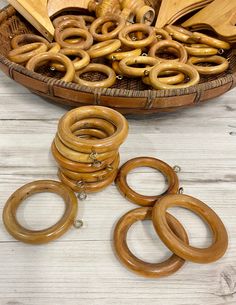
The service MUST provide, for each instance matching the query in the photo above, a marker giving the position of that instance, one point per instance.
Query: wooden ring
(116, 67)
(119, 20)
(119, 55)
(222, 64)
(95, 176)
(40, 59)
(24, 39)
(188, 70)
(180, 33)
(210, 41)
(200, 50)
(88, 146)
(106, 83)
(165, 169)
(57, 22)
(88, 187)
(170, 80)
(78, 23)
(169, 44)
(180, 248)
(104, 48)
(88, 20)
(81, 61)
(39, 236)
(125, 65)
(151, 270)
(65, 34)
(81, 157)
(161, 34)
(137, 28)
(76, 166)
(100, 124)
(24, 53)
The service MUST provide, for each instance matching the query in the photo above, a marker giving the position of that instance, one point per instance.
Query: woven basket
(126, 96)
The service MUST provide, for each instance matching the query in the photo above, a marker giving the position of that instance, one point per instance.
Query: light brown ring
(39, 236)
(82, 60)
(150, 270)
(222, 64)
(24, 53)
(65, 34)
(104, 48)
(128, 192)
(127, 69)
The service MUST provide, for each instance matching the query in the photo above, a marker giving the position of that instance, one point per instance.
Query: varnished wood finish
(119, 55)
(117, 19)
(219, 16)
(210, 41)
(165, 44)
(23, 39)
(197, 255)
(104, 48)
(54, 7)
(39, 236)
(76, 166)
(191, 72)
(137, 28)
(220, 64)
(84, 44)
(133, 263)
(41, 58)
(88, 187)
(200, 50)
(126, 68)
(165, 169)
(88, 146)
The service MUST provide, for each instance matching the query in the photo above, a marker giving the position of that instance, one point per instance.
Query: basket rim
(114, 92)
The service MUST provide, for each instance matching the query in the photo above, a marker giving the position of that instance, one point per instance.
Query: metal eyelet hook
(96, 163)
(177, 168)
(119, 77)
(181, 190)
(82, 195)
(78, 223)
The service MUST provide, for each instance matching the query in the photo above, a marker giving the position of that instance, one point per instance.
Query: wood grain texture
(80, 268)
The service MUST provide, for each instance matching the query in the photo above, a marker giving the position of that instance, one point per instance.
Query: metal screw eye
(119, 77)
(177, 168)
(96, 163)
(146, 73)
(144, 54)
(78, 223)
(181, 190)
(82, 196)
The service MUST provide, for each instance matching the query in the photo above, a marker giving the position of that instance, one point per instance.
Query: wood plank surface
(80, 268)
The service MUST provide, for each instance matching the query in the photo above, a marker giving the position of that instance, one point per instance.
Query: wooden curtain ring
(106, 83)
(165, 169)
(119, 55)
(180, 248)
(81, 61)
(188, 70)
(89, 187)
(169, 44)
(170, 80)
(95, 176)
(81, 157)
(200, 50)
(127, 69)
(100, 124)
(24, 39)
(180, 33)
(150, 270)
(57, 22)
(161, 34)
(76, 166)
(108, 144)
(39, 236)
(90, 133)
(211, 41)
(24, 53)
(119, 20)
(78, 23)
(222, 64)
(40, 59)
(137, 28)
(70, 32)
(88, 20)
(104, 48)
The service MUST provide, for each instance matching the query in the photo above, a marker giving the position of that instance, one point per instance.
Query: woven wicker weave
(126, 96)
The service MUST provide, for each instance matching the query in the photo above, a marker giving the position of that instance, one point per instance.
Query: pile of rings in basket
(112, 46)
(86, 150)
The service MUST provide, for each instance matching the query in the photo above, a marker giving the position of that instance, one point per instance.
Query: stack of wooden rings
(168, 58)
(168, 228)
(86, 148)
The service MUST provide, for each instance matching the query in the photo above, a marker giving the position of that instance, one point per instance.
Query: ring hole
(147, 181)
(40, 212)
(199, 233)
(144, 243)
(94, 76)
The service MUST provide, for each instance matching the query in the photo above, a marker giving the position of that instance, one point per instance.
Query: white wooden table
(80, 268)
